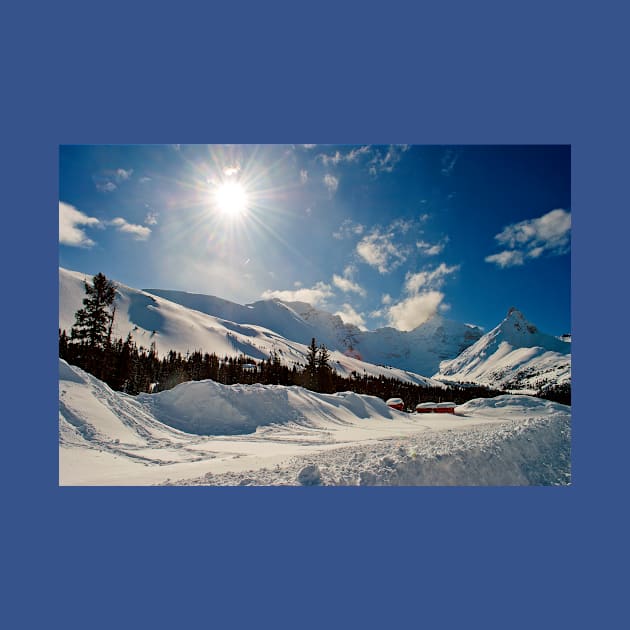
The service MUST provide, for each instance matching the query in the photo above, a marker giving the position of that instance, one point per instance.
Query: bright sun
(231, 199)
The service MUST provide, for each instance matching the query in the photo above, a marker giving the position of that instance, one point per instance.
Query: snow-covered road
(204, 433)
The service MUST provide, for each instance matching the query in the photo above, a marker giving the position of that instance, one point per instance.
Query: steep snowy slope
(150, 318)
(515, 355)
(420, 350)
(271, 314)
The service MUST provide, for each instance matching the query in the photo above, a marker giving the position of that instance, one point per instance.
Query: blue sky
(380, 234)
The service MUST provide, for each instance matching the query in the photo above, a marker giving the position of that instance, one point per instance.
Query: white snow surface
(205, 433)
(514, 356)
(151, 318)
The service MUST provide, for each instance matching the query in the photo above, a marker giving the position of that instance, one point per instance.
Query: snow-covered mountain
(515, 356)
(152, 318)
(420, 350)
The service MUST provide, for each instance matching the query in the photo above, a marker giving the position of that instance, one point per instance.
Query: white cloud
(415, 310)
(424, 299)
(331, 182)
(379, 250)
(549, 234)
(347, 285)
(351, 156)
(151, 218)
(105, 186)
(107, 181)
(122, 175)
(316, 295)
(425, 279)
(303, 176)
(350, 316)
(69, 231)
(507, 258)
(144, 180)
(384, 161)
(331, 159)
(348, 229)
(139, 232)
(432, 249)
(309, 146)
(386, 299)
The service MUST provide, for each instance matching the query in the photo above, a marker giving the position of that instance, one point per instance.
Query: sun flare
(231, 199)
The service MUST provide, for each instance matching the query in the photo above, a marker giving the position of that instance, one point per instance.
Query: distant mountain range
(420, 350)
(513, 355)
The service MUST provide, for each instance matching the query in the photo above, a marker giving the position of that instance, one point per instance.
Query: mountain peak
(515, 320)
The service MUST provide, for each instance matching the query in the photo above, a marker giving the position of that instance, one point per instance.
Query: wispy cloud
(144, 180)
(384, 160)
(348, 229)
(151, 218)
(331, 182)
(105, 185)
(317, 295)
(507, 258)
(303, 176)
(432, 249)
(350, 316)
(449, 159)
(139, 232)
(349, 156)
(122, 175)
(70, 232)
(107, 181)
(549, 234)
(428, 279)
(382, 249)
(346, 284)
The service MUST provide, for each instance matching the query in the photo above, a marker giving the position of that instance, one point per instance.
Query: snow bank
(274, 435)
(210, 408)
(530, 450)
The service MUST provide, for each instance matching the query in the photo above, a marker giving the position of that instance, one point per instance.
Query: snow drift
(205, 433)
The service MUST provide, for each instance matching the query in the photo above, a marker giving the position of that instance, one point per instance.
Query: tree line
(133, 369)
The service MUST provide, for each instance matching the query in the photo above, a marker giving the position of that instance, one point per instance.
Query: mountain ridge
(513, 355)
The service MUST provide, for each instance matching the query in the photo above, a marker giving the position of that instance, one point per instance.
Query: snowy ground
(204, 433)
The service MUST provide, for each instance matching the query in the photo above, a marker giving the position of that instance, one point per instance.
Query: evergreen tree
(93, 322)
(324, 372)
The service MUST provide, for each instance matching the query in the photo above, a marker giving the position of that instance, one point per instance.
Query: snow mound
(515, 403)
(274, 435)
(211, 408)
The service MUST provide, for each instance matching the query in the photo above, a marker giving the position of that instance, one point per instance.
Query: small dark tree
(324, 373)
(311, 365)
(93, 322)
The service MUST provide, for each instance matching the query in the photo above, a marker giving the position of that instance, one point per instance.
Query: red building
(396, 403)
(445, 407)
(425, 407)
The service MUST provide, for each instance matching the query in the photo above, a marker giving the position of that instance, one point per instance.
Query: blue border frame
(484, 72)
